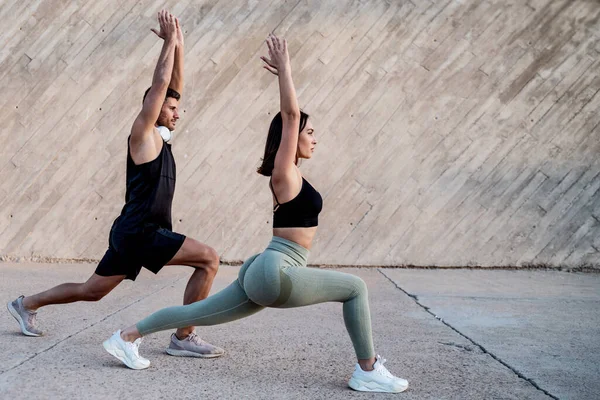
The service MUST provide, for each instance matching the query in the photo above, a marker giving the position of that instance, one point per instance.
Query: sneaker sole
(361, 386)
(119, 355)
(16, 316)
(187, 353)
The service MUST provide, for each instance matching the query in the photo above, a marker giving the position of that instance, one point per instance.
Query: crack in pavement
(483, 349)
(91, 325)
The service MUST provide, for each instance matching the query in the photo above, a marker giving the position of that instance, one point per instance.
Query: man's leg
(205, 261)
(94, 289)
(229, 304)
(23, 309)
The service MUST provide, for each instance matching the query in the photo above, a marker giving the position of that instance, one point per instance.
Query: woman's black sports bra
(300, 212)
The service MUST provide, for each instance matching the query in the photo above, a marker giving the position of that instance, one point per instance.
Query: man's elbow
(160, 84)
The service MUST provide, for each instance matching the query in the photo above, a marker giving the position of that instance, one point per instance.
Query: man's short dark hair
(170, 93)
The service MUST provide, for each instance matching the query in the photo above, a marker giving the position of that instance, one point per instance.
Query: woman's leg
(227, 305)
(285, 287)
(272, 283)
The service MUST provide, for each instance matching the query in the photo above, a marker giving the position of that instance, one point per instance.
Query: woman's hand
(279, 59)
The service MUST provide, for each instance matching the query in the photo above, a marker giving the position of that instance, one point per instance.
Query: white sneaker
(126, 352)
(378, 380)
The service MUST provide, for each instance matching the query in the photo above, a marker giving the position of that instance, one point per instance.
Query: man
(141, 236)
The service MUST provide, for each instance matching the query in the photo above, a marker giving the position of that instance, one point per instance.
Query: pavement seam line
(89, 326)
(483, 349)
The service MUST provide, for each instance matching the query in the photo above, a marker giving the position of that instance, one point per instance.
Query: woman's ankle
(367, 364)
(130, 335)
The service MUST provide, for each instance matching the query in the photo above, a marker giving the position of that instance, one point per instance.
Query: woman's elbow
(290, 115)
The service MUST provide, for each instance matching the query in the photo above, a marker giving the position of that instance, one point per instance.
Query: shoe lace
(135, 346)
(194, 338)
(381, 369)
(31, 316)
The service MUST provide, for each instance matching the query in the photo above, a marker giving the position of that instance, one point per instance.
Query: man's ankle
(181, 336)
(28, 307)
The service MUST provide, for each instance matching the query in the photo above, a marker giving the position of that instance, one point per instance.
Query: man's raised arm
(142, 127)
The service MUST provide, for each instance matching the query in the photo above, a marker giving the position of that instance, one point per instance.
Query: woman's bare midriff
(302, 236)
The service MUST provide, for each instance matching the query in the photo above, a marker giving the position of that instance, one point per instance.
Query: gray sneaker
(193, 346)
(25, 318)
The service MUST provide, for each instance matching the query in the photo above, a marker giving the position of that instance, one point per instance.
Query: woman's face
(306, 141)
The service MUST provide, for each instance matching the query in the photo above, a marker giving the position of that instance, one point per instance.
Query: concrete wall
(450, 132)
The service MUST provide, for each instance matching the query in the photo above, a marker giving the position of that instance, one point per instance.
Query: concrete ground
(454, 334)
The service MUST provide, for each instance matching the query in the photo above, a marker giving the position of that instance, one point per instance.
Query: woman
(278, 277)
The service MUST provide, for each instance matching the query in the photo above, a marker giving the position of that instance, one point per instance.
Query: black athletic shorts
(152, 249)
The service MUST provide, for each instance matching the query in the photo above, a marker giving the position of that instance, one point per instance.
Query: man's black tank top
(149, 195)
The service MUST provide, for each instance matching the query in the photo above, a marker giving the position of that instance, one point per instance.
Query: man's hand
(179, 34)
(171, 30)
(169, 26)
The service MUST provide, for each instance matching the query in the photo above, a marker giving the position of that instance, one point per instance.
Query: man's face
(169, 114)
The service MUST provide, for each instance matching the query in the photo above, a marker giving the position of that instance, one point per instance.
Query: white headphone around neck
(165, 133)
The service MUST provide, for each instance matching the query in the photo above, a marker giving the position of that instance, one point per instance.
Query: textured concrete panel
(450, 132)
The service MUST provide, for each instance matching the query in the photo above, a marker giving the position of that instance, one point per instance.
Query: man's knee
(208, 259)
(213, 260)
(98, 286)
(94, 294)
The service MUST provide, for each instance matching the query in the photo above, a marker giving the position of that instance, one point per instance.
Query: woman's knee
(358, 286)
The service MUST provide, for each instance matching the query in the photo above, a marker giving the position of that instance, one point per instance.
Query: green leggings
(279, 278)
